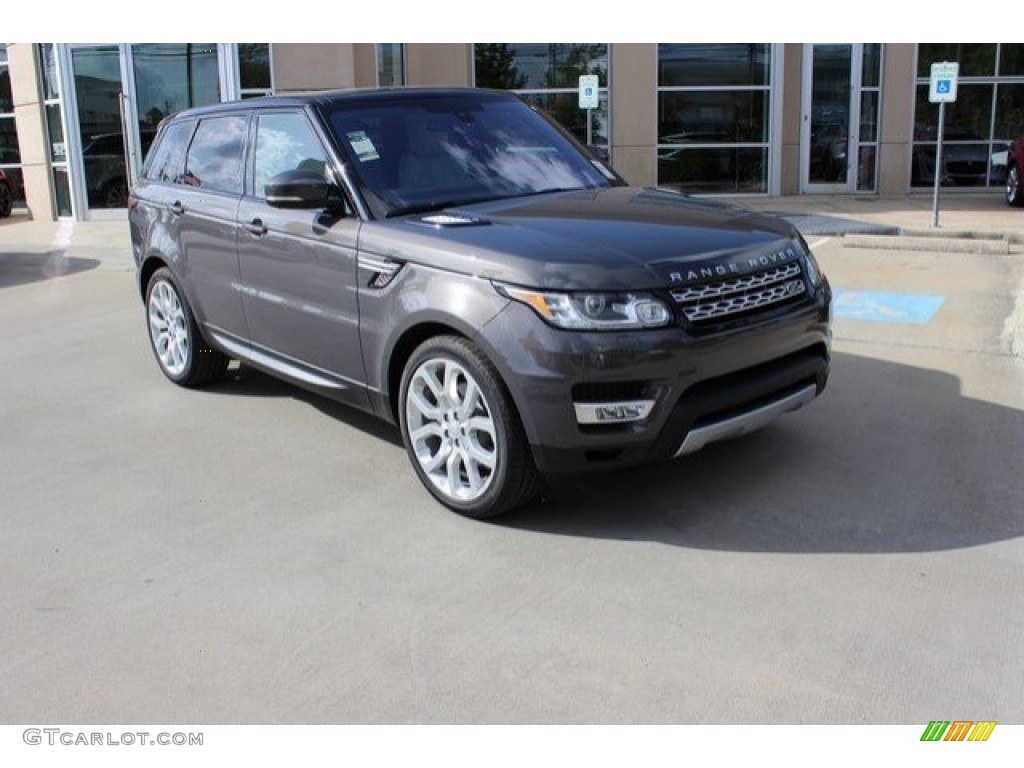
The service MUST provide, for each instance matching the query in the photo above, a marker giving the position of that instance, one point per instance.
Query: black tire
(178, 345)
(1014, 193)
(6, 204)
(476, 434)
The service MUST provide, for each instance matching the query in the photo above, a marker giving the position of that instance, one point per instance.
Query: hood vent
(451, 220)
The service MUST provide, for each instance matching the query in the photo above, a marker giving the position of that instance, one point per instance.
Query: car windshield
(418, 153)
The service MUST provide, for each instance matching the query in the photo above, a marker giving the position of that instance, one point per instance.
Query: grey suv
(454, 262)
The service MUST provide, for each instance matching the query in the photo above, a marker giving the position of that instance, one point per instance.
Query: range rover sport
(454, 262)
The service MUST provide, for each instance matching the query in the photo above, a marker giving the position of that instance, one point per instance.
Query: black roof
(350, 96)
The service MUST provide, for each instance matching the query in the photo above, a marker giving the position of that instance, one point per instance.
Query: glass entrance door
(121, 92)
(839, 126)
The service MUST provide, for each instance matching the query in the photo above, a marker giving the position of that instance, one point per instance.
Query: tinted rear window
(168, 156)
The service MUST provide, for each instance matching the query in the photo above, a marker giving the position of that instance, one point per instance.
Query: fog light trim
(615, 412)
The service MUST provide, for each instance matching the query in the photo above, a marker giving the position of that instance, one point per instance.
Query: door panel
(298, 267)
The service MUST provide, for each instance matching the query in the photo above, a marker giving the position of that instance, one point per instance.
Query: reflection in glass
(712, 117)
(284, 142)
(564, 108)
(517, 66)
(830, 119)
(170, 77)
(869, 116)
(62, 190)
(48, 69)
(1011, 59)
(97, 76)
(1009, 111)
(969, 117)
(975, 59)
(214, 159)
(871, 71)
(6, 101)
(726, 170)
(9, 151)
(705, 64)
(866, 169)
(390, 64)
(254, 66)
(963, 165)
(58, 149)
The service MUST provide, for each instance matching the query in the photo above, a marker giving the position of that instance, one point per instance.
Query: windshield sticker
(603, 169)
(362, 146)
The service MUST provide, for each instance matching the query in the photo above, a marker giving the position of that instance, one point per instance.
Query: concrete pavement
(248, 553)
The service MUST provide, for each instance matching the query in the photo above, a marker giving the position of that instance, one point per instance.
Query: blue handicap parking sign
(943, 86)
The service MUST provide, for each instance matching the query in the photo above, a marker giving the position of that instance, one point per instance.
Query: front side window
(285, 142)
(215, 157)
(428, 153)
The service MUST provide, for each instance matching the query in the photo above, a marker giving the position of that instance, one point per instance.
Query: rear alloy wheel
(462, 432)
(177, 343)
(1014, 194)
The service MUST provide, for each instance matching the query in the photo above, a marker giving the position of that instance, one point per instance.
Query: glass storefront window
(1011, 59)
(547, 75)
(390, 64)
(714, 107)
(10, 152)
(255, 73)
(987, 114)
(976, 59)
(733, 170)
(688, 65)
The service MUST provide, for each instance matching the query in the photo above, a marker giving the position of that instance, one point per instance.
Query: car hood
(595, 239)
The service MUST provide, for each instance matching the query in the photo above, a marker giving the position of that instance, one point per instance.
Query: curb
(946, 242)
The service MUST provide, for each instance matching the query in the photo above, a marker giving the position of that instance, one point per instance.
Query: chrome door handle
(257, 227)
(177, 208)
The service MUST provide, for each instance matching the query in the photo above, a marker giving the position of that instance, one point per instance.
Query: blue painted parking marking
(879, 307)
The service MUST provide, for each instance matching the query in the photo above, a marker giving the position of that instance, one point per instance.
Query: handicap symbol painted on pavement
(880, 307)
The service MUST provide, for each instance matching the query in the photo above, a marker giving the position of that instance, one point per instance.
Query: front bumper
(703, 389)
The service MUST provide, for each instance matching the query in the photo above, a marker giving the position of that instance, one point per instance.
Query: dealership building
(763, 119)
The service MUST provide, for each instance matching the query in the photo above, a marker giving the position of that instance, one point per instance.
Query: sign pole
(590, 129)
(938, 166)
(941, 89)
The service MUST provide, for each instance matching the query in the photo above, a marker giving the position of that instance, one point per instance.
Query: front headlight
(596, 311)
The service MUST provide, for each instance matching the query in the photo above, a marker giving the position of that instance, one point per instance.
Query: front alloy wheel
(1014, 194)
(461, 430)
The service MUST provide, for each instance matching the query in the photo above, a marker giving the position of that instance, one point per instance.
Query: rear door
(206, 205)
(298, 267)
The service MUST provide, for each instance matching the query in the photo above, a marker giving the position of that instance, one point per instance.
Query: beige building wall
(314, 66)
(633, 95)
(897, 119)
(439, 64)
(31, 126)
(792, 116)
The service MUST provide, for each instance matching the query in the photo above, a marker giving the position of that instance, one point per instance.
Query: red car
(1014, 168)
(6, 195)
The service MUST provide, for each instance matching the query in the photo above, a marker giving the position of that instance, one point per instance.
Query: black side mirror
(298, 189)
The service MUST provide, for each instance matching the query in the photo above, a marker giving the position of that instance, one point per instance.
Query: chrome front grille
(728, 298)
